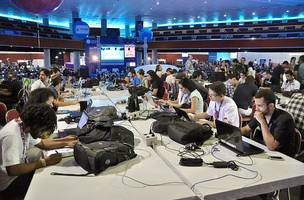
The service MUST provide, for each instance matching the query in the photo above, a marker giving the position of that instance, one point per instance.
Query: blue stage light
(240, 20)
(37, 19)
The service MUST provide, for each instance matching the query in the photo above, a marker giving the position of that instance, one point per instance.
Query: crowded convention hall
(153, 99)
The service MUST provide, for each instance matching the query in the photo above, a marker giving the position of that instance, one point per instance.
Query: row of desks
(156, 174)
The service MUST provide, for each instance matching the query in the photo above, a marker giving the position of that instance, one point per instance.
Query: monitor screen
(83, 120)
(130, 51)
(112, 53)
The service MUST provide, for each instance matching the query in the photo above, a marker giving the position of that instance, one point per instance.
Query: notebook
(230, 137)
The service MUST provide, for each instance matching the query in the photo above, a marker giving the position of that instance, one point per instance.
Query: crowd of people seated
(247, 92)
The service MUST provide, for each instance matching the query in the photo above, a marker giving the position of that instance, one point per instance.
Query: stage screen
(112, 54)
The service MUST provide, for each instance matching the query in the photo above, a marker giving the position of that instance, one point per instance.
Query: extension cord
(134, 115)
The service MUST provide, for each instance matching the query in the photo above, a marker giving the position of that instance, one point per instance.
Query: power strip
(151, 139)
(134, 115)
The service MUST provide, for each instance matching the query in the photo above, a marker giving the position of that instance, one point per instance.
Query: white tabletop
(161, 165)
(113, 183)
(272, 175)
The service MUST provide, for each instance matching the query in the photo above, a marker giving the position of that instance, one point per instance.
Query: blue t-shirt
(136, 81)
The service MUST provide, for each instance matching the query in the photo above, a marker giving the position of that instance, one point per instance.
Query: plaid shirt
(229, 89)
(296, 108)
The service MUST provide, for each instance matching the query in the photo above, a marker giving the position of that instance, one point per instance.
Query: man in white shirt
(220, 107)
(16, 138)
(42, 82)
(291, 84)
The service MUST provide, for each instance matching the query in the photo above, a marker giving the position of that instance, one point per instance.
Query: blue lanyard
(217, 112)
(23, 137)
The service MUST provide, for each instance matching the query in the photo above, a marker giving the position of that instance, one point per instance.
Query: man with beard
(276, 126)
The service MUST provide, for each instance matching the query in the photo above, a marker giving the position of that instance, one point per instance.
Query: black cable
(114, 104)
(143, 183)
(213, 149)
(67, 174)
(193, 154)
(166, 145)
(148, 184)
(226, 175)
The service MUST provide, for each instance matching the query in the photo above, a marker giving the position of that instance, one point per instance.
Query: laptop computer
(181, 114)
(75, 114)
(75, 131)
(230, 137)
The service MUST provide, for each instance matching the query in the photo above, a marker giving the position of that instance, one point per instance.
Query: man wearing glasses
(221, 107)
(19, 135)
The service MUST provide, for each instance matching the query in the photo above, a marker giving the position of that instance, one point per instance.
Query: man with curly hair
(19, 135)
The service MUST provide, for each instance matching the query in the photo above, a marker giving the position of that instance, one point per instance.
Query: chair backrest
(11, 114)
(240, 120)
(3, 110)
(298, 141)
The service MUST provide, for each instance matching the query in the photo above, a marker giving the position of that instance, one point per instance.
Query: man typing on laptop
(221, 107)
(276, 126)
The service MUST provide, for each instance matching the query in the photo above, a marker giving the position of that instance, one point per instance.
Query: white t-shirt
(227, 111)
(200, 103)
(37, 84)
(13, 147)
(170, 79)
(290, 86)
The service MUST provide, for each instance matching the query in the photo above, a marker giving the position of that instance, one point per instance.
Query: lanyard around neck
(24, 138)
(217, 112)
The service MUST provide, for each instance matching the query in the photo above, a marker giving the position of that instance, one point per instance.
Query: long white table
(118, 182)
(161, 165)
(263, 176)
(113, 183)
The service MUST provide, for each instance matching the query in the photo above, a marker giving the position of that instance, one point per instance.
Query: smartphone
(275, 158)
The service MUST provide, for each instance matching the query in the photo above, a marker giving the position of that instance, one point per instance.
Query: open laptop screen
(181, 113)
(83, 120)
(229, 134)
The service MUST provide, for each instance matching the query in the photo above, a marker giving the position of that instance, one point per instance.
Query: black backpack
(106, 131)
(163, 120)
(98, 156)
(102, 145)
(185, 132)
